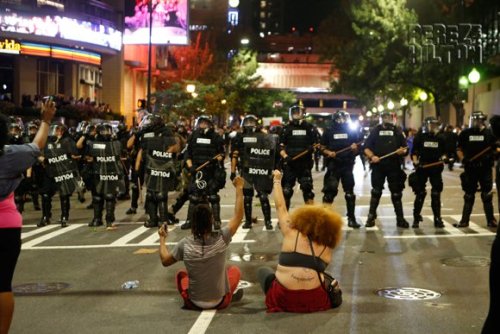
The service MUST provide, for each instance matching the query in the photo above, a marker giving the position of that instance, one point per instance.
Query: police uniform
(297, 137)
(339, 169)
(428, 148)
(385, 139)
(477, 170)
(108, 177)
(202, 146)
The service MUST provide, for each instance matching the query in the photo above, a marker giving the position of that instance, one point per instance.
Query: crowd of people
(112, 162)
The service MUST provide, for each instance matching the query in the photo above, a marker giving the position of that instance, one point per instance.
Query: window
(50, 77)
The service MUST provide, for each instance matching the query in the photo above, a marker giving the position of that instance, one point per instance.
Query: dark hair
(201, 222)
(4, 132)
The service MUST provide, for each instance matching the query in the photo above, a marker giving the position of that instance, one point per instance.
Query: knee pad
(150, 196)
(214, 198)
(97, 198)
(263, 196)
(109, 197)
(435, 193)
(469, 197)
(421, 194)
(349, 195)
(376, 193)
(328, 198)
(133, 186)
(195, 198)
(486, 196)
(396, 196)
(248, 192)
(46, 196)
(161, 196)
(287, 192)
(306, 184)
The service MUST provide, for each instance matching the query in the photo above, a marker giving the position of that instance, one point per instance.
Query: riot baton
(206, 163)
(347, 148)
(480, 153)
(301, 154)
(432, 164)
(389, 154)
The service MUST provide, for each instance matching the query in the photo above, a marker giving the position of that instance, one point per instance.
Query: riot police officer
(384, 148)
(476, 146)
(254, 152)
(158, 153)
(105, 154)
(205, 161)
(297, 143)
(428, 155)
(61, 173)
(339, 145)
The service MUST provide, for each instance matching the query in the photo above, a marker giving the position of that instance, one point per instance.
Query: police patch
(149, 135)
(99, 146)
(203, 140)
(340, 136)
(299, 132)
(476, 138)
(388, 133)
(431, 144)
(249, 139)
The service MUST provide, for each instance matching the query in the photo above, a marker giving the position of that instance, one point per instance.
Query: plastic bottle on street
(130, 285)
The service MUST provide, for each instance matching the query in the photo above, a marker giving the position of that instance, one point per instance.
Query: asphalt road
(92, 264)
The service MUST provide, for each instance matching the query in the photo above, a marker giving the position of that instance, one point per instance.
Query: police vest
(203, 147)
(474, 141)
(299, 138)
(338, 138)
(386, 140)
(430, 147)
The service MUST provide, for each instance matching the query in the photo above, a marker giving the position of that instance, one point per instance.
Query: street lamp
(390, 105)
(403, 102)
(245, 41)
(422, 96)
(380, 108)
(190, 88)
(474, 77)
(463, 82)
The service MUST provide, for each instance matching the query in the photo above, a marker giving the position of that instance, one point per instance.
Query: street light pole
(150, 9)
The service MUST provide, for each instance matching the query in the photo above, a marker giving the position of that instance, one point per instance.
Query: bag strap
(316, 263)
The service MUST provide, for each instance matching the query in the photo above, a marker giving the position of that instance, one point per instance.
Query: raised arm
(165, 256)
(235, 222)
(279, 202)
(48, 112)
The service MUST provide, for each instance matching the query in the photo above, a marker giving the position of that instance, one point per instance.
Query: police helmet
(203, 122)
(431, 125)
(249, 123)
(57, 130)
(296, 113)
(387, 118)
(82, 127)
(151, 123)
(477, 119)
(32, 128)
(341, 117)
(105, 131)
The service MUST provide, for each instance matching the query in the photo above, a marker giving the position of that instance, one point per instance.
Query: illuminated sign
(10, 46)
(170, 22)
(233, 17)
(61, 27)
(52, 3)
(43, 50)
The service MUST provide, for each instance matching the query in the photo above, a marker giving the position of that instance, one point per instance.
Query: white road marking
(51, 235)
(450, 229)
(37, 231)
(476, 228)
(151, 240)
(240, 235)
(130, 236)
(203, 321)
(431, 236)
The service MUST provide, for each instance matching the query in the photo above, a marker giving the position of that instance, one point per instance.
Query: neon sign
(43, 50)
(10, 46)
(62, 27)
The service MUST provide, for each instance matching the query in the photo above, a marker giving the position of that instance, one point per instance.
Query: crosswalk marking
(51, 235)
(39, 230)
(151, 240)
(130, 236)
(450, 229)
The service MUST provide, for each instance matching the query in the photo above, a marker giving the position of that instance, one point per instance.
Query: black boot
(110, 210)
(36, 200)
(163, 212)
(65, 205)
(19, 200)
(98, 205)
(467, 210)
(398, 210)
(247, 204)
(417, 208)
(187, 224)
(134, 199)
(372, 213)
(488, 209)
(287, 193)
(215, 202)
(436, 209)
(46, 208)
(151, 210)
(266, 211)
(350, 201)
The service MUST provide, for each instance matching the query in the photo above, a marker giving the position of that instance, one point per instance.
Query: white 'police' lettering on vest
(203, 141)
(260, 151)
(431, 144)
(64, 177)
(340, 136)
(476, 138)
(249, 139)
(386, 133)
(108, 177)
(149, 135)
(299, 132)
(99, 146)
(57, 159)
(160, 173)
(106, 159)
(161, 154)
(257, 171)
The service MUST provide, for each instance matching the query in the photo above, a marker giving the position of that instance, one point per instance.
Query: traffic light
(141, 104)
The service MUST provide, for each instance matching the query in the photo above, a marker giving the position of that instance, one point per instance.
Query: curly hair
(202, 219)
(320, 224)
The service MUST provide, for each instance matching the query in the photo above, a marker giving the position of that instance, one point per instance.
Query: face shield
(296, 113)
(341, 117)
(386, 119)
(249, 123)
(477, 120)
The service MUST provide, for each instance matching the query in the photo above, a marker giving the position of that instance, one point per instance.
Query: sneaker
(237, 295)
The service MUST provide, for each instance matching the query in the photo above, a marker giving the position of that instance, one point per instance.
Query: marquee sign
(10, 46)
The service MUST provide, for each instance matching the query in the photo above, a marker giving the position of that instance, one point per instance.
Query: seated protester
(206, 283)
(310, 234)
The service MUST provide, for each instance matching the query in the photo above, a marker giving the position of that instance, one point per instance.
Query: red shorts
(182, 280)
(281, 299)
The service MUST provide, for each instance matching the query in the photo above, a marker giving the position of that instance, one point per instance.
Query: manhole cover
(466, 261)
(408, 293)
(39, 288)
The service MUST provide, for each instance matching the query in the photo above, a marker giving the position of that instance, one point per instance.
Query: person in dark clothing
(450, 145)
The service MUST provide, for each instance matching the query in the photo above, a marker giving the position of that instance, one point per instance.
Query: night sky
(303, 14)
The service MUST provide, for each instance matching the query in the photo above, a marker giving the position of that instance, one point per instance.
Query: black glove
(192, 170)
(287, 160)
(416, 165)
(232, 176)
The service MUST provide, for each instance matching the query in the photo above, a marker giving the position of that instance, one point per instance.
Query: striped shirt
(205, 264)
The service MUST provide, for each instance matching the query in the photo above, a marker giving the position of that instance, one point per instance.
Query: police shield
(62, 169)
(161, 173)
(108, 168)
(258, 160)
